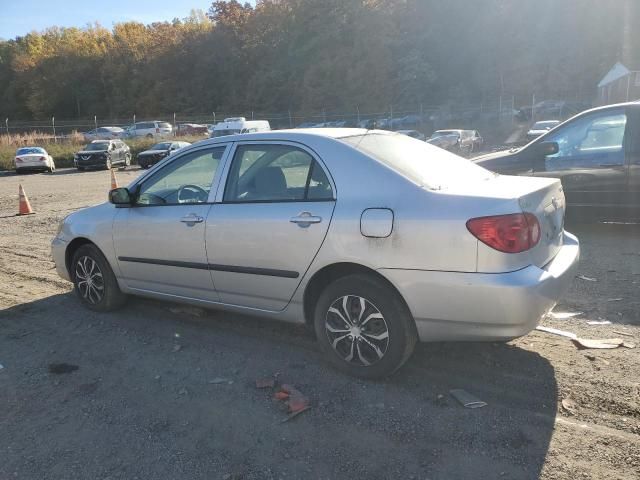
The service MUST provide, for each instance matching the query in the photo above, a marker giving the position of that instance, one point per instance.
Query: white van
(236, 125)
(154, 129)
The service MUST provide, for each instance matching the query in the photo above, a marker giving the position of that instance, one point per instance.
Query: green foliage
(307, 55)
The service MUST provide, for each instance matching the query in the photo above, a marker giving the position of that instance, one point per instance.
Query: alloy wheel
(89, 280)
(357, 330)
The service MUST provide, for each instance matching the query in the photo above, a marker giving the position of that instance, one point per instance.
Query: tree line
(306, 55)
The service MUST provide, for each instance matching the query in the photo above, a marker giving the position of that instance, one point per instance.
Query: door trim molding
(270, 272)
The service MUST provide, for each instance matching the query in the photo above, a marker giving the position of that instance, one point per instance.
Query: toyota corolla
(374, 239)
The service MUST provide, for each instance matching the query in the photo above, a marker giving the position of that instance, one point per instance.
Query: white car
(33, 159)
(236, 125)
(152, 129)
(413, 134)
(103, 133)
(542, 127)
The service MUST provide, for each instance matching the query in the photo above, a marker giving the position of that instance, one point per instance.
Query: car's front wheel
(364, 327)
(94, 281)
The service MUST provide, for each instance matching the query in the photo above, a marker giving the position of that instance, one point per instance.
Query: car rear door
(268, 224)
(160, 240)
(591, 161)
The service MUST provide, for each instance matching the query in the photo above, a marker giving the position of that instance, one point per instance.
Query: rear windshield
(30, 150)
(420, 162)
(224, 133)
(96, 147)
(161, 146)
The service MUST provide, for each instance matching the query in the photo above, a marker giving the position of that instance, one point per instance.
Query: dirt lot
(168, 394)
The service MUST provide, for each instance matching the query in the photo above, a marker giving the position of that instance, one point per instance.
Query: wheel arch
(330, 273)
(72, 248)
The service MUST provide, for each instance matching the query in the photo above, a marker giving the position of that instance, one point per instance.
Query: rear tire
(369, 335)
(94, 281)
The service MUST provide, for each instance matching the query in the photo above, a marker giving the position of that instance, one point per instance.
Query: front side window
(275, 173)
(594, 141)
(186, 180)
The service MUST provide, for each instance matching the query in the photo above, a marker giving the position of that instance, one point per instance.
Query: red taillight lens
(43, 159)
(18, 159)
(513, 233)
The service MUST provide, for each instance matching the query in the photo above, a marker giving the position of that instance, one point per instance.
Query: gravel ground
(169, 393)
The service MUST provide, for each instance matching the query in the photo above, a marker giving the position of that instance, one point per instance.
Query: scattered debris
(569, 405)
(60, 368)
(265, 383)
(587, 279)
(281, 396)
(219, 380)
(295, 414)
(177, 348)
(555, 331)
(176, 335)
(590, 357)
(564, 315)
(157, 377)
(599, 322)
(466, 399)
(607, 343)
(614, 299)
(296, 401)
(598, 344)
(623, 333)
(1, 366)
(183, 391)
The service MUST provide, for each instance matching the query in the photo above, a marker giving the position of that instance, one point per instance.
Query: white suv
(152, 129)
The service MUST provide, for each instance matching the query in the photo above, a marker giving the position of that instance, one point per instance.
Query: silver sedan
(374, 239)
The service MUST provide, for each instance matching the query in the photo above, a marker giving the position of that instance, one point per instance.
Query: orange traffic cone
(114, 182)
(24, 207)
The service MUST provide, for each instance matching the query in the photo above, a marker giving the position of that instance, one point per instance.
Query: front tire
(364, 327)
(107, 164)
(94, 281)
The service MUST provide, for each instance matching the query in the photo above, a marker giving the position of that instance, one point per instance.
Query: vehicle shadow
(164, 391)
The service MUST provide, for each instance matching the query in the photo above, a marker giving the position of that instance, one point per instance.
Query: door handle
(191, 219)
(305, 219)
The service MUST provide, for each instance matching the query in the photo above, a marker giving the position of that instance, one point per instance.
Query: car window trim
(214, 184)
(231, 154)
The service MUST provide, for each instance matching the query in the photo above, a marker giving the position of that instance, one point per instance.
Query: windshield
(224, 133)
(161, 146)
(443, 133)
(31, 150)
(422, 163)
(97, 147)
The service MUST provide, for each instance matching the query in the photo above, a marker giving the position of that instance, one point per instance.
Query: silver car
(374, 239)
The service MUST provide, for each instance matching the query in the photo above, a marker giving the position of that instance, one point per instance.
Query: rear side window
(420, 162)
(275, 173)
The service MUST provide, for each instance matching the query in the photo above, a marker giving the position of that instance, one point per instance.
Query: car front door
(160, 240)
(633, 154)
(268, 224)
(591, 161)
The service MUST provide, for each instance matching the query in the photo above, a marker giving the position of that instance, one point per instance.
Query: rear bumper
(479, 306)
(32, 166)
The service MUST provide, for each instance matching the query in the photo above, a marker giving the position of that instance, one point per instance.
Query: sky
(19, 17)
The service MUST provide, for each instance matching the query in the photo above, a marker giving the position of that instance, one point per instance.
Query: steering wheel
(192, 194)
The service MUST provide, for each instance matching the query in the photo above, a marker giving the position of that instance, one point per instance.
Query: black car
(103, 154)
(159, 151)
(596, 154)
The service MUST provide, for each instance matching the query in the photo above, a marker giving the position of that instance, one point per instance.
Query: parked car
(150, 157)
(236, 125)
(33, 159)
(413, 134)
(463, 142)
(103, 154)
(193, 129)
(149, 129)
(103, 133)
(540, 128)
(375, 239)
(596, 154)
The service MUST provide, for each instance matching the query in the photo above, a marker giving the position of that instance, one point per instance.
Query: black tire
(18, 171)
(149, 135)
(102, 293)
(396, 320)
(80, 169)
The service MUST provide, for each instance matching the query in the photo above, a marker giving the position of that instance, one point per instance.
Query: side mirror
(120, 196)
(548, 148)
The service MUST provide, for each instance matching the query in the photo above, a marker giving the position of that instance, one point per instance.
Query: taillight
(43, 159)
(18, 159)
(512, 233)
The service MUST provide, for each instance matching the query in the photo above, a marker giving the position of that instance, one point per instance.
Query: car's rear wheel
(94, 281)
(127, 160)
(364, 327)
(107, 164)
(149, 135)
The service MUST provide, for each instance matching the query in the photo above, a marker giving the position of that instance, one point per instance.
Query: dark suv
(103, 154)
(596, 154)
